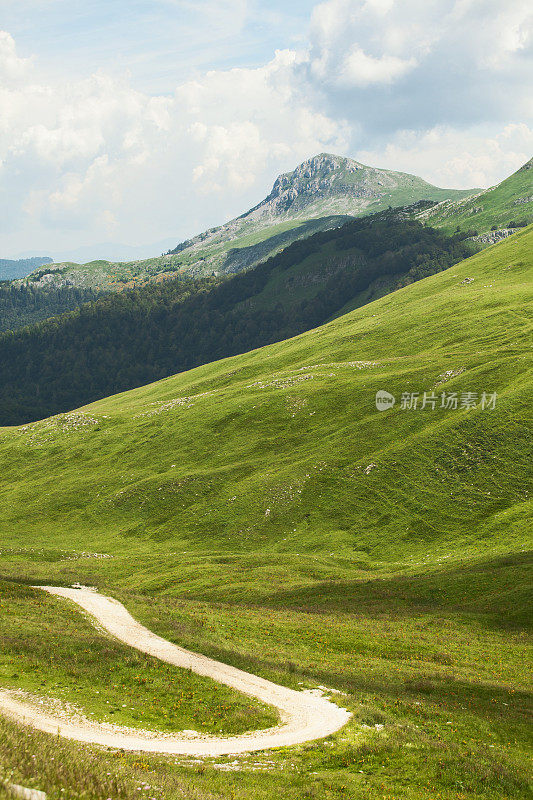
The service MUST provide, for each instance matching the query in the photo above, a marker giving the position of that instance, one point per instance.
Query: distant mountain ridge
(321, 193)
(108, 251)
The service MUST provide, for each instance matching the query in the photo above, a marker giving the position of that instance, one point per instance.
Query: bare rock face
(322, 186)
(324, 178)
(494, 236)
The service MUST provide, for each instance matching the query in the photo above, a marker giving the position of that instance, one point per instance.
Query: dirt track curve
(304, 716)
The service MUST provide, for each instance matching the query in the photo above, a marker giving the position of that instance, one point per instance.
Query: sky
(151, 120)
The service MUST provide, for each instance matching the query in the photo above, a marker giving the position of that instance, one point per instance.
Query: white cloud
(366, 41)
(267, 121)
(12, 68)
(360, 69)
(456, 158)
(447, 61)
(483, 32)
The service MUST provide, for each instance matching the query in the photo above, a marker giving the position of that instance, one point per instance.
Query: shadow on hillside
(489, 700)
(495, 702)
(239, 258)
(499, 589)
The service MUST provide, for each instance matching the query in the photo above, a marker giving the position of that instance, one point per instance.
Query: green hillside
(405, 341)
(251, 247)
(505, 206)
(262, 510)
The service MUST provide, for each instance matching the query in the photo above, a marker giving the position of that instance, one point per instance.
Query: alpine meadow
(266, 498)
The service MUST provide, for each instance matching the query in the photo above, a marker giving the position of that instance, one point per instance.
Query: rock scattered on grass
(23, 792)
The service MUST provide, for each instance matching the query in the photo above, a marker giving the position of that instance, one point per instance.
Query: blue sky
(158, 42)
(145, 121)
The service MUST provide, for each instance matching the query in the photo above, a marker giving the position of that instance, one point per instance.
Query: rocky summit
(328, 184)
(324, 189)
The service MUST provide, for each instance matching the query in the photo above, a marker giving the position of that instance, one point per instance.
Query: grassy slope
(247, 522)
(496, 206)
(260, 423)
(11, 269)
(129, 339)
(142, 692)
(305, 277)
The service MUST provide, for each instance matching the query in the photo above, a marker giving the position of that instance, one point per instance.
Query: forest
(24, 304)
(127, 339)
(10, 269)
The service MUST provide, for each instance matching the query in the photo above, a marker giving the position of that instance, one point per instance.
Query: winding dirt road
(304, 716)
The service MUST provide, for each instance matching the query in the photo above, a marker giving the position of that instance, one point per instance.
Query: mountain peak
(324, 188)
(321, 164)
(328, 184)
(324, 177)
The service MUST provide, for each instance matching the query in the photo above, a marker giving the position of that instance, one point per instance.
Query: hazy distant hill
(10, 269)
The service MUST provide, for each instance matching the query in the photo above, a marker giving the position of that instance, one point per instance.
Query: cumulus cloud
(360, 69)
(461, 159)
(269, 122)
(392, 65)
(12, 67)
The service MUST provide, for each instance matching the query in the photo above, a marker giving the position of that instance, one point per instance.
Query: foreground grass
(49, 649)
(441, 701)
